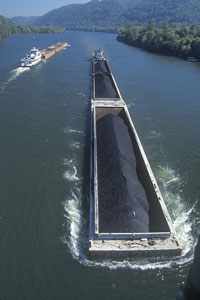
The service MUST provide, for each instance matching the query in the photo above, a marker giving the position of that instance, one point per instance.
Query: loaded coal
(123, 205)
(101, 66)
(104, 86)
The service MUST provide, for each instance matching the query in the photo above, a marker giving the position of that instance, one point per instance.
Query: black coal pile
(100, 66)
(104, 86)
(123, 205)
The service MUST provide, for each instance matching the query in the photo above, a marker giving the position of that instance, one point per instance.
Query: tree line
(8, 28)
(181, 41)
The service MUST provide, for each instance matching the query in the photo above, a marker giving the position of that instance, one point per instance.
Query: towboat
(33, 58)
(99, 55)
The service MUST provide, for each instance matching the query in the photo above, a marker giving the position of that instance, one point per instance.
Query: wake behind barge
(153, 236)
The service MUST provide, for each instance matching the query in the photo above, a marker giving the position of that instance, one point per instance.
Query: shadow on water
(86, 176)
(83, 243)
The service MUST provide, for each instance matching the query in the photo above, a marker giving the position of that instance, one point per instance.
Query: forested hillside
(165, 12)
(24, 20)
(95, 15)
(181, 41)
(8, 28)
(109, 15)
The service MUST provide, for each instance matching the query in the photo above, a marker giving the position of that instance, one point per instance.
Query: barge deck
(160, 238)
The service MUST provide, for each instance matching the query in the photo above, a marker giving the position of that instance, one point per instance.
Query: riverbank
(172, 40)
(9, 28)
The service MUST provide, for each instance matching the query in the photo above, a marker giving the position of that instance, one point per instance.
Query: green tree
(171, 40)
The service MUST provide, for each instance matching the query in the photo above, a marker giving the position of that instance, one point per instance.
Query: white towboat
(99, 55)
(33, 58)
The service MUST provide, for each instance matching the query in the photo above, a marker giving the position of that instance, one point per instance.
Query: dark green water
(44, 159)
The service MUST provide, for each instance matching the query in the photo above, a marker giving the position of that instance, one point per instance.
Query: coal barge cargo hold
(128, 216)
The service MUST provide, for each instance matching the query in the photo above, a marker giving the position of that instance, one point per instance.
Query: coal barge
(128, 216)
(52, 50)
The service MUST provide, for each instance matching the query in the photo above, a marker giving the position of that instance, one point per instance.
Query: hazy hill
(8, 28)
(94, 15)
(24, 20)
(109, 15)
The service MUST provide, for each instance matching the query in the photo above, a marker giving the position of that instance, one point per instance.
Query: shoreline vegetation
(172, 40)
(9, 28)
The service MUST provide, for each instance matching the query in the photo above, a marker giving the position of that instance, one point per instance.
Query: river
(44, 174)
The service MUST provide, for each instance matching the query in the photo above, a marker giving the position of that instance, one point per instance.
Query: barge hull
(161, 238)
(134, 248)
(52, 50)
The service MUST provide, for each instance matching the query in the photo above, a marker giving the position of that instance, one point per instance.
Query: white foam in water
(69, 130)
(75, 145)
(77, 236)
(75, 131)
(14, 74)
(130, 104)
(71, 172)
(169, 183)
(73, 216)
(82, 95)
(153, 134)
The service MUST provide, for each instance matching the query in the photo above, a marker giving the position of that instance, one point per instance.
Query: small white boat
(33, 58)
(99, 55)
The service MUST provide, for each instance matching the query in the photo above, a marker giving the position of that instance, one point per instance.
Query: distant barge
(107, 239)
(52, 50)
